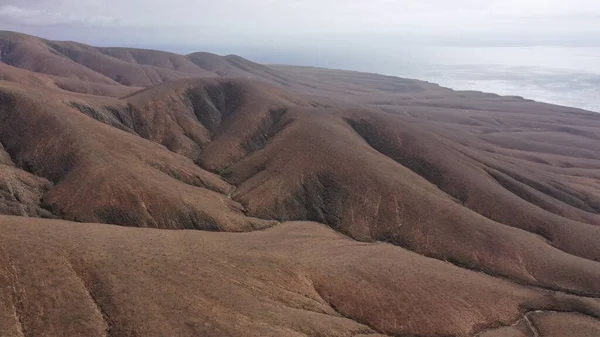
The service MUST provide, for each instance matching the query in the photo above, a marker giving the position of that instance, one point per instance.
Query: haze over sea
(560, 75)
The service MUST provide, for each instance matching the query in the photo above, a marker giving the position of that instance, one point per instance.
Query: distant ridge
(78, 67)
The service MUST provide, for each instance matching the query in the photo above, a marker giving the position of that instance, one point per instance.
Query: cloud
(34, 16)
(305, 20)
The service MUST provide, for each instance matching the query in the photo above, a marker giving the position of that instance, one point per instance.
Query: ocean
(558, 75)
(567, 76)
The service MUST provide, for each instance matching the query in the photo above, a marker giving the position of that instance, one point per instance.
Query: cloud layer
(457, 21)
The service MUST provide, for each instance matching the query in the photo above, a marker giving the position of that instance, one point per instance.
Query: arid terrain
(145, 193)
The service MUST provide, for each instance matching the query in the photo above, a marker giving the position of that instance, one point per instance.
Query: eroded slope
(298, 279)
(103, 174)
(496, 197)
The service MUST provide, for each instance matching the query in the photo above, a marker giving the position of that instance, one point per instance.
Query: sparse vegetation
(417, 210)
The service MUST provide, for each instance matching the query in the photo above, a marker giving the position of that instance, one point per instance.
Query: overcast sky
(197, 22)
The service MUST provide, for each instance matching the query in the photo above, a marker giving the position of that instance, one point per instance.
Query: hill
(346, 203)
(81, 68)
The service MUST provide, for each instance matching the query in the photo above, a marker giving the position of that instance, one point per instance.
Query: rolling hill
(145, 193)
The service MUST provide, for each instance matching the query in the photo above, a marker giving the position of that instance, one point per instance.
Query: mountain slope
(100, 173)
(457, 213)
(297, 279)
(77, 65)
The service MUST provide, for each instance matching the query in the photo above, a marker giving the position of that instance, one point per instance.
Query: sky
(306, 23)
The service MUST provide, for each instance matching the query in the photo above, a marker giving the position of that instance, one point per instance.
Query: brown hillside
(87, 69)
(100, 173)
(38, 80)
(370, 205)
(298, 279)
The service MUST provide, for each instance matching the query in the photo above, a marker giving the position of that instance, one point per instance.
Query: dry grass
(296, 279)
(489, 206)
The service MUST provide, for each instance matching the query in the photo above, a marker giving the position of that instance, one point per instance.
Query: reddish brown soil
(432, 212)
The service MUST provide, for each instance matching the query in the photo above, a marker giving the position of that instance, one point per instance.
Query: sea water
(567, 76)
(560, 75)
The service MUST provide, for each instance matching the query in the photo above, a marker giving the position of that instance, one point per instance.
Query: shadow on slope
(106, 175)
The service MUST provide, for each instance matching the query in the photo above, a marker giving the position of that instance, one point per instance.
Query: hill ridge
(285, 201)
